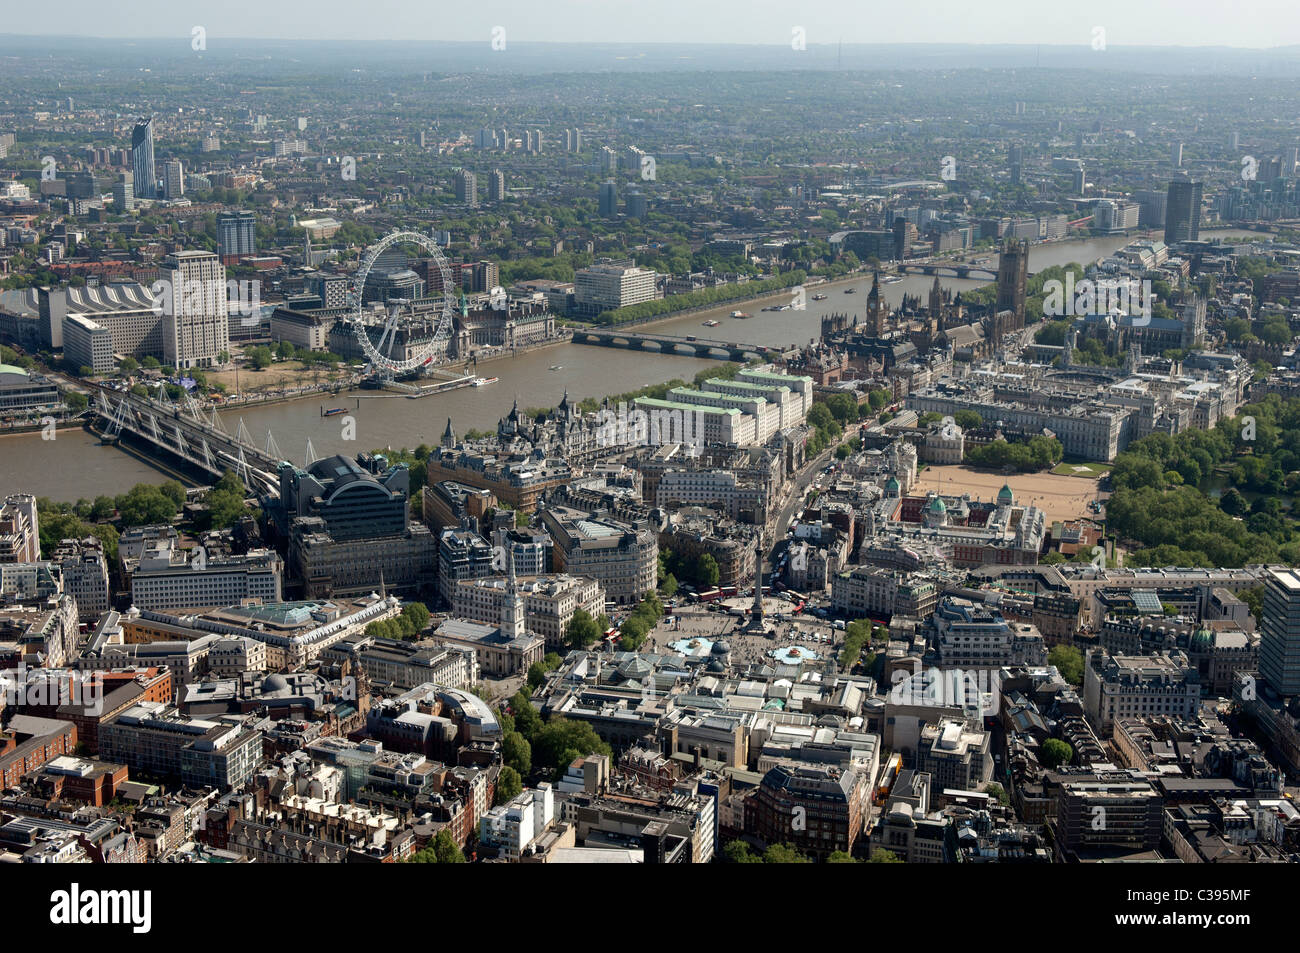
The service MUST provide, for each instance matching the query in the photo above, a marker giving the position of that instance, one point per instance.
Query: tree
(1055, 753)
(150, 363)
(527, 721)
(1233, 503)
(738, 852)
(536, 675)
(441, 850)
(1068, 661)
(509, 784)
(561, 741)
(1254, 599)
(840, 857)
(998, 793)
(174, 492)
(417, 614)
(285, 350)
(129, 366)
(882, 856)
(707, 573)
(144, 504)
(783, 854)
(582, 630)
(517, 752)
(75, 400)
(260, 357)
(225, 501)
(669, 587)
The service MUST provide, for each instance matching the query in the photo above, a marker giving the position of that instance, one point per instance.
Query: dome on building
(274, 683)
(891, 485)
(1202, 641)
(1005, 495)
(716, 667)
(720, 647)
(938, 506)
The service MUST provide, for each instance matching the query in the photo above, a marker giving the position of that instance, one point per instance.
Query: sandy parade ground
(1060, 497)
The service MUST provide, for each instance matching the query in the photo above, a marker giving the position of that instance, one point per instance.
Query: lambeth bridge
(951, 270)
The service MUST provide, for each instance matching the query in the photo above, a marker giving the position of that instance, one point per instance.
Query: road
(798, 490)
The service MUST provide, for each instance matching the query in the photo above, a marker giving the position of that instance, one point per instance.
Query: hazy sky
(1255, 23)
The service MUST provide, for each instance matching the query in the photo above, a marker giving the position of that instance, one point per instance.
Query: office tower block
(466, 183)
(124, 192)
(1279, 647)
(146, 178)
(236, 235)
(608, 200)
(1183, 211)
(1176, 155)
(496, 185)
(1151, 208)
(196, 327)
(1013, 280)
(1015, 162)
(173, 179)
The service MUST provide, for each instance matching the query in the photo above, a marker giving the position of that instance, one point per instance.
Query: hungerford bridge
(186, 430)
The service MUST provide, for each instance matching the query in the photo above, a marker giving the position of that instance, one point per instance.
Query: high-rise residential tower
(1183, 211)
(466, 183)
(608, 199)
(146, 177)
(173, 179)
(236, 235)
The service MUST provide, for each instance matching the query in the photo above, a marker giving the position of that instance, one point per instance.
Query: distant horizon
(1028, 44)
(1173, 24)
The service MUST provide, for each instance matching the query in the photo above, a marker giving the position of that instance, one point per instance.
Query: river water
(75, 465)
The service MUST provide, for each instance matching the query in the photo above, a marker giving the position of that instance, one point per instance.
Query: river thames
(75, 465)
